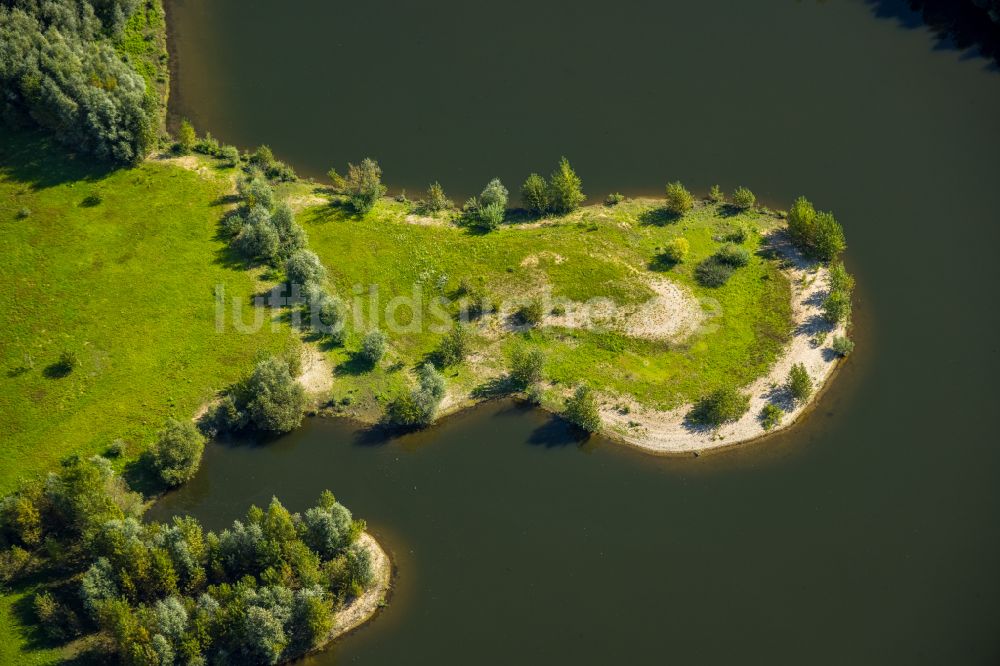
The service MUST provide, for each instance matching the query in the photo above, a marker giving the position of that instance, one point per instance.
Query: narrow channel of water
(866, 535)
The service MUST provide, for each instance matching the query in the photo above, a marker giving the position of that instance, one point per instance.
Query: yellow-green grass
(127, 285)
(598, 251)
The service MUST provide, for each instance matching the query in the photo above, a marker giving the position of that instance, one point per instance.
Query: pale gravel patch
(317, 373)
(666, 431)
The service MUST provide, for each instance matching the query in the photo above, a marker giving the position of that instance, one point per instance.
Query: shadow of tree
(658, 217)
(498, 387)
(30, 157)
(957, 25)
(557, 432)
(356, 364)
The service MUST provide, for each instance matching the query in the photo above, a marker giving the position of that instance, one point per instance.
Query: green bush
(230, 156)
(535, 194)
(744, 198)
(614, 199)
(454, 346)
(679, 200)
(842, 346)
(676, 250)
(770, 416)
(436, 199)
(565, 193)
(722, 406)
(737, 233)
(526, 366)
(531, 313)
(799, 385)
(491, 216)
(732, 255)
(273, 399)
(363, 185)
(304, 268)
(581, 410)
(837, 306)
(418, 407)
(712, 273)
(67, 363)
(715, 195)
(373, 347)
(176, 454)
(186, 138)
(494, 194)
(818, 234)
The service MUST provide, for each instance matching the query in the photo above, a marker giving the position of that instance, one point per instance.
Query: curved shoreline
(363, 608)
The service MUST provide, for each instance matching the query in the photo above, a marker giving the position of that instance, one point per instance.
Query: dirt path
(665, 432)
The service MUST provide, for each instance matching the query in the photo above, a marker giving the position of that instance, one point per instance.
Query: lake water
(869, 534)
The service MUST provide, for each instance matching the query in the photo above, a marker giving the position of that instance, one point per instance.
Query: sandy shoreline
(363, 608)
(666, 432)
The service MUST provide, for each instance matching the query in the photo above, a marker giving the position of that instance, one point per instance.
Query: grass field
(597, 251)
(118, 268)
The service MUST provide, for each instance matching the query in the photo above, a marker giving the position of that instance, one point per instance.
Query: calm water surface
(870, 534)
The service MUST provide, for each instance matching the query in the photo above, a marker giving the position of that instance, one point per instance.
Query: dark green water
(870, 534)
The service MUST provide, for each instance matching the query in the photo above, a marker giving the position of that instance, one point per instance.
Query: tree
(565, 194)
(274, 399)
(535, 195)
(491, 216)
(581, 410)
(800, 221)
(436, 199)
(186, 137)
(304, 268)
(721, 406)
(254, 190)
(454, 346)
(744, 198)
(799, 383)
(176, 454)
(373, 347)
(679, 200)
(418, 407)
(526, 366)
(494, 194)
(364, 185)
(827, 237)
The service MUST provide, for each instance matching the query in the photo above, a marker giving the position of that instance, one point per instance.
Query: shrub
(186, 137)
(679, 200)
(261, 159)
(56, 619)
(454, 346)
(363, 185)
(732, 255)
(581, 410)
(827, 237)
(535, 195)
(326, 313)
(614, 199)
(304, 268)
(67, 363)
(491, 216)
(770, 416)
(418, 407)
(842, 346)
(230, 156)
(818, 234)
(676, 250)
(23, 213)
(744, 198)
(207, 145)
(91, 200)
(280, 172)
(722, 406)
(176, 454)
(526, 366)
(274, 400)
(436, 199)
(799, 383)
(373, 347)
(255, 191)
(565, 194)
(494, 194)
(258, 239)
(840, 279)
(715, 195)
(837, 307)
(531, 313)
(738, 233)
(712, 273)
